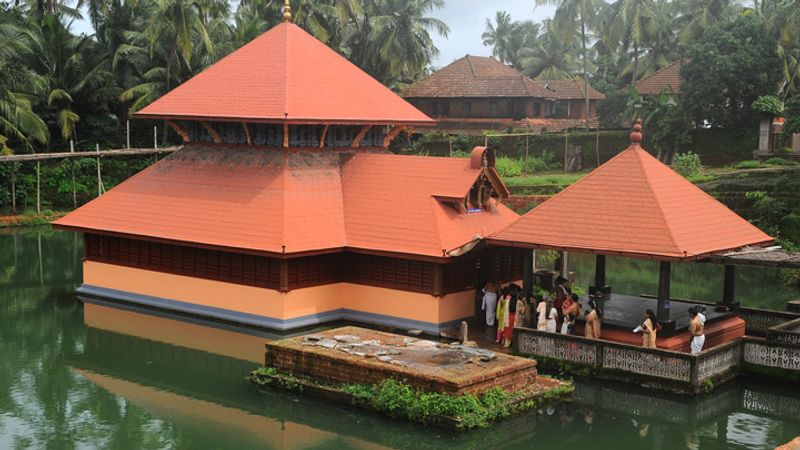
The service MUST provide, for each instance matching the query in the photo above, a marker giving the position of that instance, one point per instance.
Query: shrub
(749, 164)
(508, 167)
(688, 164)
(779, 162)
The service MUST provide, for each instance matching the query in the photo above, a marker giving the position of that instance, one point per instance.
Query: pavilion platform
(623, 313)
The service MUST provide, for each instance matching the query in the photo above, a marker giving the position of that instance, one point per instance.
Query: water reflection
(100, 377)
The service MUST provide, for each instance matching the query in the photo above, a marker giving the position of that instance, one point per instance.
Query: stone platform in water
(352, 355)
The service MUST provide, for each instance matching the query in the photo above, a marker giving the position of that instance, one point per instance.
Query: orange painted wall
(270, 303)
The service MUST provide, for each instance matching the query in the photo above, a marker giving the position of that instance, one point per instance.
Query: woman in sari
(649, 329)
(502, 315)
(541, 315)
(592, 329)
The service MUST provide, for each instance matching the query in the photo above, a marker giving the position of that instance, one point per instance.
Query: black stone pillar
(729, 286)
(527, 273)
(664, 302)
(599, 271)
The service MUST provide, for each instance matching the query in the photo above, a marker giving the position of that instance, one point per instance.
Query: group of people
(560, 312)
(505, 307)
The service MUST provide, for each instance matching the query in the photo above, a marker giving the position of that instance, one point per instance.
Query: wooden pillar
(599, 271)
(527, 273)
(663, 308)
(284, 276)
(438, 280)
(729, 286)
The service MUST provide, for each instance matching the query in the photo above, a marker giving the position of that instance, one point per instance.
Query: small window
(493, 108)
(561, 108)
(467, 109)
(537, 109)
(435, 108)
(445, 108)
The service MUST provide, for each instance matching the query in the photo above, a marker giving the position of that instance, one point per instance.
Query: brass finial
(636, 134)
(287, 11)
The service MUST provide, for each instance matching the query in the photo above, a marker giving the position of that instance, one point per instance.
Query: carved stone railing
(718, 361)
(764, 353)
(786, 333)
(759, 321)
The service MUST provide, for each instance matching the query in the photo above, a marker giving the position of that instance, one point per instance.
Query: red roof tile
(570, 89)
(477, 76)
(257, 200)
(285, 75)
(636, 206)
(668, 77)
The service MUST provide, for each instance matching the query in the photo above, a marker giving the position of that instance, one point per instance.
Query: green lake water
(68, 380)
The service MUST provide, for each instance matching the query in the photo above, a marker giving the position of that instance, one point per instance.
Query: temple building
(284, 208)
(476, 93)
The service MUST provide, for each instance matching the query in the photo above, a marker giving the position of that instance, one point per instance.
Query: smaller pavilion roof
(285, 75)
(633, 205)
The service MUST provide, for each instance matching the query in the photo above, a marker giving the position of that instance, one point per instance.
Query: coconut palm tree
(582, 13)
(551, 58)
(630, 23)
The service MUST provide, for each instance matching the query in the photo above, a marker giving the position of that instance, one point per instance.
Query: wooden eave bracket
(179, 129)
(360, 136)
(247, 133)
(323, 136)
(393, 133)
(214, 135)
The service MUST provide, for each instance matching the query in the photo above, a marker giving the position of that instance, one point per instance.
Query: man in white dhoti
(697, 328)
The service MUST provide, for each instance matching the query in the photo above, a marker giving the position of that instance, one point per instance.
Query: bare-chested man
(697, 328)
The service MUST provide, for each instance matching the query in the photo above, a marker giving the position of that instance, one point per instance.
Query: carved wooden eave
(214, 135)
(286, 135)
(179, 129)
(496, 181)
(360, 136)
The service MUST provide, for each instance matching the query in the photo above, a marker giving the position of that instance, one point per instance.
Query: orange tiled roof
(666, 78)
(477, 76)
(570, 89)
(636, 206)
(306, 201)
(285, 75)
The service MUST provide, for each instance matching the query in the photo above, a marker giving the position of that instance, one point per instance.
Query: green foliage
(780, 162)
(767, 211)
(688, 164)
(748, 164)
(792, 123)
(401, 400)
(508, 167)
(730, 67)
(768, 105)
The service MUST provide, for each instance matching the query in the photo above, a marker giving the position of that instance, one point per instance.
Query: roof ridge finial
(636, 134)
(287, 11)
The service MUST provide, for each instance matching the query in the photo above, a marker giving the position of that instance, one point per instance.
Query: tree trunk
(635, 62)
(585, 72)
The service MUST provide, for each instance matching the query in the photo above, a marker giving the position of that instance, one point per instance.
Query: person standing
(697, 328)
(649, 329)
(552, 316)
(502, 315)
(592, 330)
(571, 314)
(541, 315)
(522, 310)
(489, 304)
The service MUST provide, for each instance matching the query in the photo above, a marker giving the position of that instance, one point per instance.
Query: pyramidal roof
(285, 75)
(633, 205)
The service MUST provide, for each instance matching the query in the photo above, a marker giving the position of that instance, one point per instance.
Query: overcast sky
(466, 19)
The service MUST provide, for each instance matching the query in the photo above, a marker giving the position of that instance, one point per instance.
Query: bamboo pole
(527, 147)
(72, 170)
(99, 176)
(13, 188)
(155, 137)
(597, 145)
(128, 133)
(566, 147)
(38, 187)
